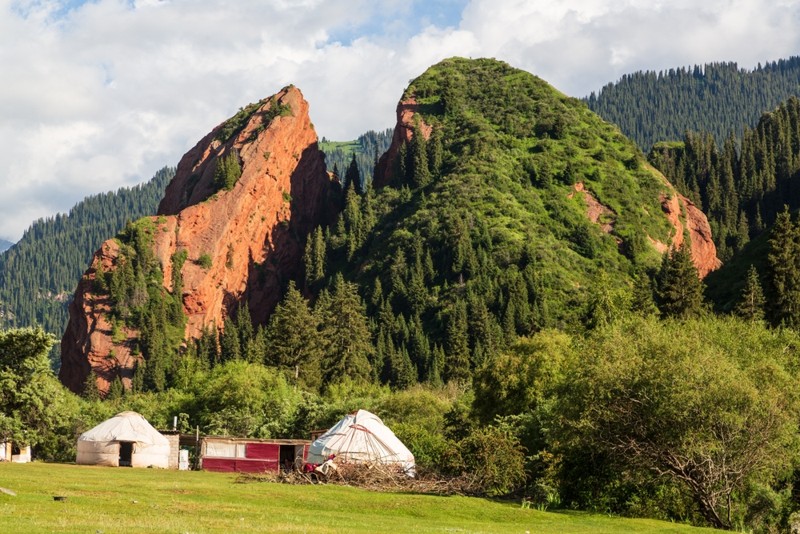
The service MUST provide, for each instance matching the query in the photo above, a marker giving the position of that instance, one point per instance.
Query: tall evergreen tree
(680, 289)
(751, 305)
(456, 365)
(352, 177)
(293, 340)
(783, 274)
(417, 169)
(345, 331)
(230, 344)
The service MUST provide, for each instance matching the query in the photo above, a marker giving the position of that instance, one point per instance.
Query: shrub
(204, 260)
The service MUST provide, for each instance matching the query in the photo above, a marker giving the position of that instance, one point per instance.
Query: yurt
(125, 440)
(361, 437)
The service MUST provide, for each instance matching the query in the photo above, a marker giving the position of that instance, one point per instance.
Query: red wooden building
(248, 455)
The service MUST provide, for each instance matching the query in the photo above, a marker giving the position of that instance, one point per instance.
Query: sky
(100, 94)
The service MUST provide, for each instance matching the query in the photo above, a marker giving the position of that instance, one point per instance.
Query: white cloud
(101, 94)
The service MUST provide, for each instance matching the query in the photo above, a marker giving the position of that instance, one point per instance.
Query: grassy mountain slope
(500, 226)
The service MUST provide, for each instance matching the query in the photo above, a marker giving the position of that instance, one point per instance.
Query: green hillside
(39, 274)
(482, 223)
(719, 98)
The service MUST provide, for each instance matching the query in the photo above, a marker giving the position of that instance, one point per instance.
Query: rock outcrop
(403, 132)
(242, 244)
(704, 252)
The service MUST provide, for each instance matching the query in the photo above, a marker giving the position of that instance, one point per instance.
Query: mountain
(40, 272)
(229, 232)
(5, 245)
(501, 207)
(718, 98)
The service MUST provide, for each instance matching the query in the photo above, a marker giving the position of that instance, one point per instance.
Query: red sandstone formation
(704, 252)
(252, 233)
(403, 132)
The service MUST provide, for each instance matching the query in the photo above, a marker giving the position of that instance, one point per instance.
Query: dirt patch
(597, 212)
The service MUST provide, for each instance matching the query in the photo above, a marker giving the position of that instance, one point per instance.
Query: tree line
(718, 98)
(741, 189)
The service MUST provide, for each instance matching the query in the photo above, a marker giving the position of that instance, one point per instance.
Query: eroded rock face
(403, 132)
(253, 234)
(704, 252)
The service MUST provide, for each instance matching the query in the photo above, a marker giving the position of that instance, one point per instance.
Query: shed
(125, 440)
(13, 452)
(250, 455)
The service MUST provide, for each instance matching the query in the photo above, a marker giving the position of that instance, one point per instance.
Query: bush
(204, 260)
(494, 458)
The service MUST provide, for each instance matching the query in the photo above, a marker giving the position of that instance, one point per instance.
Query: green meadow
(105, 500)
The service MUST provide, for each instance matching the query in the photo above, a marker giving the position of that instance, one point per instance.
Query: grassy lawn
(105, 500)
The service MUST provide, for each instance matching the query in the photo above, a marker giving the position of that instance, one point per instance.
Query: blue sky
(98, 95)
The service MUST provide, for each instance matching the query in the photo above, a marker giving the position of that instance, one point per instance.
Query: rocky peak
(407, 117)
(242, 235)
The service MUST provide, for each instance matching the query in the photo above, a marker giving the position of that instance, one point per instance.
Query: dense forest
(474, 306)
(39, 274)
(364, 151)
(719, 98)
(740, 189)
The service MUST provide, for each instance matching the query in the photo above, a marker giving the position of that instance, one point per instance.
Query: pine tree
(228, 171)
(352, 177)
(751, 305)
(400, 171)
(642, 301)
(115, 389)
(244, 327)
(139, 370)
(90, 390)
(680, 289)
(435, 153)
(456, 365)
(230, 346)
(345, 331)
(293, 340)
(783, 275)
(405, 374)
(314, 257)
(417, 167)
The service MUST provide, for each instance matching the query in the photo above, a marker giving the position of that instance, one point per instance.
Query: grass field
(103, 500)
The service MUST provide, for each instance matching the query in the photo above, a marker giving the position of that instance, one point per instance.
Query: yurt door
(125, 453)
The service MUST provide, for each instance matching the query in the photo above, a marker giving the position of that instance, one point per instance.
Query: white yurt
(361, 437)
(126, 440)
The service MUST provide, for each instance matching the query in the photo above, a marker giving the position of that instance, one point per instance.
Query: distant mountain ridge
(719, 98)
(5, 245)
(39, 273)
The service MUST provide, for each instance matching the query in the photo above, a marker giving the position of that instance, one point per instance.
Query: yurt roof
(125, 426)
(362, 436)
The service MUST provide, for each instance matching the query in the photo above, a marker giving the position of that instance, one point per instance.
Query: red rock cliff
(403, 132)
(252, 233)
